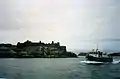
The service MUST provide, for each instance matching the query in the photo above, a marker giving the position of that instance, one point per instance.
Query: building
(42, 49)
(30, 49)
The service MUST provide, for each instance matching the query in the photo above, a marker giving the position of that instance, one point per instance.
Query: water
(56, 68)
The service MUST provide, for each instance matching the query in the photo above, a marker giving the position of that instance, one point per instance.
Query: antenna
(97, 48)
(97, 45)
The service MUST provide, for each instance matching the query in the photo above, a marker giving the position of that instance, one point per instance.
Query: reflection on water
(56, 68)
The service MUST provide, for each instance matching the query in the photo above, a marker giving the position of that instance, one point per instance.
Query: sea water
(57, 68)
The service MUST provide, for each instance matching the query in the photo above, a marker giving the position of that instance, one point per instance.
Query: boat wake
(116, 61)
(91, 62)
(96, 63)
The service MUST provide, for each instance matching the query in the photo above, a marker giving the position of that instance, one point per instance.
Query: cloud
(72, 22)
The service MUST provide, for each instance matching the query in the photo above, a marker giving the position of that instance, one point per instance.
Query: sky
(77, 24)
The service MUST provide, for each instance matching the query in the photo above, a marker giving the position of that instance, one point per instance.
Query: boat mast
(97, 48)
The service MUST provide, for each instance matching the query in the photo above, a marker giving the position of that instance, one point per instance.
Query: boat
(98, 56)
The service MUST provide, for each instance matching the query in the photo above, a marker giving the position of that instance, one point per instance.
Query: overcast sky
(78, 24)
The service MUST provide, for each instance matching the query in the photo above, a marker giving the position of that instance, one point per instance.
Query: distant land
(39, 49)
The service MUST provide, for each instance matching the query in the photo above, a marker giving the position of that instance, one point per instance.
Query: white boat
(99, 57)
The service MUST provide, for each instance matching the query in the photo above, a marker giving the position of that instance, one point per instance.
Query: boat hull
(99, 59)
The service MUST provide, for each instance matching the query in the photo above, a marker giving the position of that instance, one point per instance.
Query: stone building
(42, 49)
